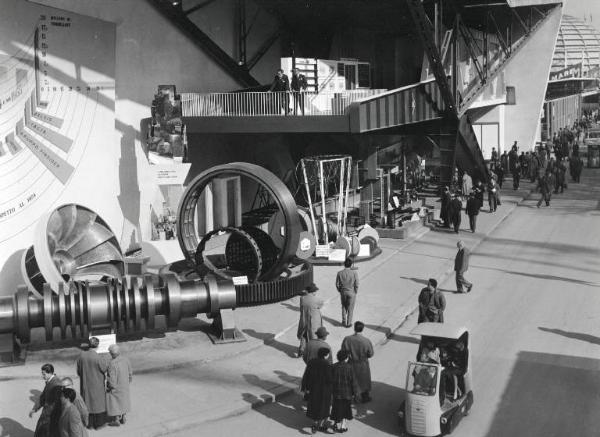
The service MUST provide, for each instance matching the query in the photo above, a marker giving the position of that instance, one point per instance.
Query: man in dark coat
(281, 84)
(118, 379)
(310, 317)
(461, 265)
(472, 210)
(444, 210)
(298, 86)
(432, 304)
(545, 189)
(91, 369)
(317, 385)
(346, 283)
(455, 212)
(47, 402)
(514, 166)
(313, 346)
(360, 350)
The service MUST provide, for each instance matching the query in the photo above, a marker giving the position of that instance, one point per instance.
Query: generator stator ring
(186, 232)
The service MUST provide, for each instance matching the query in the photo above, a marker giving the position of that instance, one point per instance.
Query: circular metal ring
(62, 311)
(88, 307)
(72, 310)
(22, 314)
(83, 328)
(137, 316)
(150, 304)
(110, 302)
(187, 235)
(127, 301)
(47, 292)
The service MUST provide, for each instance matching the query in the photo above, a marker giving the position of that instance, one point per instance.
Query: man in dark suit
(281, 85)
(298, 85)
(47, 401)
(461, 265)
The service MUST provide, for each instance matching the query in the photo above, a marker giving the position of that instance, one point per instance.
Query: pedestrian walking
(360, 350)
(69, 423)
(514, 166)
(78, 401)
(445, 207)
(47, 401)
(432, 303)
(472, 210)
(493, 194)
(467, 184)
(313, 346)
(346, 283)
(455, 212)
(461, 265)
(344, 389)
(118, 379)
(310, 317)
(317, 385)
(545, 189)
(91, 369)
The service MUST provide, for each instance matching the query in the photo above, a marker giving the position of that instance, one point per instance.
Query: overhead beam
(264, 48)
(205, 43)
(198, 6)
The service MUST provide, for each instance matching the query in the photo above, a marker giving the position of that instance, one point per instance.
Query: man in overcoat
(360, 349)
(455, 212)
(310, 317)
(47, 401)
(118, 378)
(281, 84)
(313, 346)
(461, 265)
(346, 283)
(432, 304)
(298, 85)
(472, 210)
(445, 207)
(91, 369)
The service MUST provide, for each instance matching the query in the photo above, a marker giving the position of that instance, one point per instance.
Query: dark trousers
(473, 222)
(348, 299)
(456, 223)
(545, 197)
(298, 97)
(516, 178)
(461, 281)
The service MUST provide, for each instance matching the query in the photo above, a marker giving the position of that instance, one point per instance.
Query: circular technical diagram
(56, 101)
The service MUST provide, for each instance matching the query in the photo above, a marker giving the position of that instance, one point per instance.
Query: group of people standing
(281, 83)
(103, 399)
(330, 389)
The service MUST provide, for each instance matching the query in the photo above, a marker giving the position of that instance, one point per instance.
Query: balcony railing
(254, 104)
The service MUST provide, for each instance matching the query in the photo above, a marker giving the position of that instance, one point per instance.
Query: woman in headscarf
(317, 386)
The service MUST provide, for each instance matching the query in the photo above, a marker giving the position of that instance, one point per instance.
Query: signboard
(240, 280)
(170, 174)
(337, 255)
(365, 250)
(105, 341)
(322, 251)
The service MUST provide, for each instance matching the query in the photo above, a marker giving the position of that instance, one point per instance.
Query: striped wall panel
(422, 102)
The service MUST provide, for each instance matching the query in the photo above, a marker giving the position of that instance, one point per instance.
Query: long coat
(47, 402)
(118, 377)
(70, 424)
(360, 349)
(461, 260)
(91, 368)
(318, 382)
(310, 316)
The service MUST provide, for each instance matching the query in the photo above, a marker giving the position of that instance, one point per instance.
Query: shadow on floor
(270, 340)
(544, 277)
(575, 335)
(12, 428)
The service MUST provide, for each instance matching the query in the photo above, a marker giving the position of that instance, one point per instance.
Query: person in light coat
(69, 423)
(91, 369)
(310, 317)
(118, 378)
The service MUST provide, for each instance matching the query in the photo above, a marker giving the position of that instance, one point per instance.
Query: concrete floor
(534, 318)
(532, 315)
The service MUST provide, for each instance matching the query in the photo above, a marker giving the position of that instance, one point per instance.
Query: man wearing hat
(472, 210)
(455, 212)
(310, 317)
(313, 346)
(432, 304)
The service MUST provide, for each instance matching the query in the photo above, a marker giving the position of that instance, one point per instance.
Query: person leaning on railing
(299, 85)
(281, 84)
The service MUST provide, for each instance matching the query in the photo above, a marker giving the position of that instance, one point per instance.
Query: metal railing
(269, 103)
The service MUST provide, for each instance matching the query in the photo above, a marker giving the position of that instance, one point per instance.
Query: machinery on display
(326, 182)
(230, 263)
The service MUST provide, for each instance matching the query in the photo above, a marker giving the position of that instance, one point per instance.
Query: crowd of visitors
(103, 399)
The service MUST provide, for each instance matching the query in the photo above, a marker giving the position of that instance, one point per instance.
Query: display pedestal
(223, 329)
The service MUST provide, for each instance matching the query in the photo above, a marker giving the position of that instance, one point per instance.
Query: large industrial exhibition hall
(299, 217)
